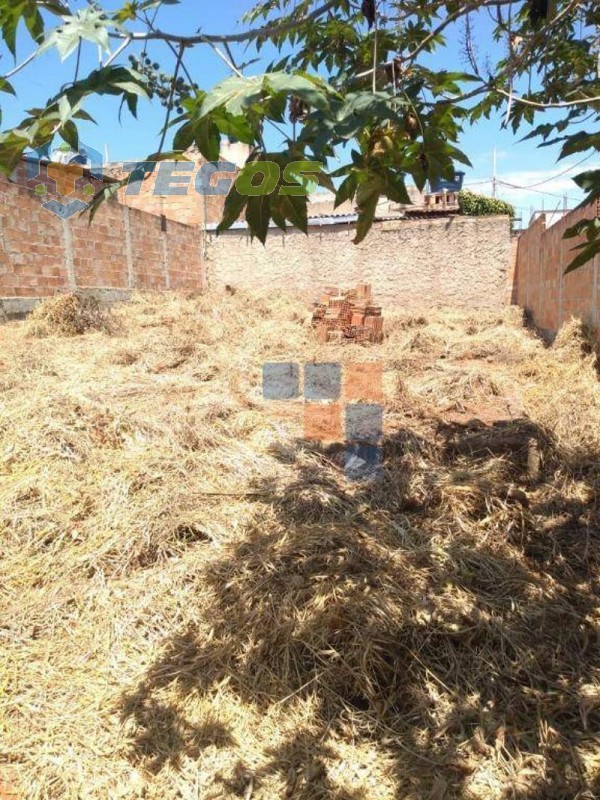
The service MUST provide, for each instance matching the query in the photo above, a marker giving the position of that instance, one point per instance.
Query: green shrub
(476, 205)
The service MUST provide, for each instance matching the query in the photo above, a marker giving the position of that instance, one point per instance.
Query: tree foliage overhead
(353, 82)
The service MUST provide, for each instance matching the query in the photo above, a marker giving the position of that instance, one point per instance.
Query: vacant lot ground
(195, 603)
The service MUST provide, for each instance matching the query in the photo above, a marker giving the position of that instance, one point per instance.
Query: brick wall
(540, 283)
(453, 260)
(456, 261)
(511, 284)
(41, 254)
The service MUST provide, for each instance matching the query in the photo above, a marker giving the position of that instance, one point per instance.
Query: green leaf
(69, 133)
(312, 92)
(367, 198)
(542, 130)
(292, 208)
(395, 188)
(132, 102)
(5, 86)
(34, 22)
(324, 180)
(64, 108)
(12, 147)
(258, 215)
(127, 13)
(579, 143)
(278, 217)
(102, 196)
(235, 203)
(576, 230)
(347, 189)
(106, 80)
(83, 114)
(10, 23)
(235, 127)
(348, 118)
(589, 181)
(184, 137)
(235, 94)
(131, 87)
(13, 12)
(208, 139)
(54, 6)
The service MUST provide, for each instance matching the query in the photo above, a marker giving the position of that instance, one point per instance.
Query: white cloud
(541, 188)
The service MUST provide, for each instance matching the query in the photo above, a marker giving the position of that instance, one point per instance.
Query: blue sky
(518, 163)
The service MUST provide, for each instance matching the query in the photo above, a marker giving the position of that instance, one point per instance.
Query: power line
(558, 174)
(529, 189)
(514, 186)
(478, 183)
(532, 186)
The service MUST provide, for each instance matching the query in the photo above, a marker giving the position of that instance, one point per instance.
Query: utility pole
(494, 181)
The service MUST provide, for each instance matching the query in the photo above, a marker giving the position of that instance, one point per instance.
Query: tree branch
(467, 9)
(170, 100)
(520, 60)
(123, 46)
(272, 29)
(564, 104)
(172, 48)
(474, 6)
(22, 65)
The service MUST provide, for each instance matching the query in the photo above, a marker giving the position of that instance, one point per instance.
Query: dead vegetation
(68, 315)
(195, 602)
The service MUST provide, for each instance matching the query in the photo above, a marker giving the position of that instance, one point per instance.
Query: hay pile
(195, 603)
(69, 315)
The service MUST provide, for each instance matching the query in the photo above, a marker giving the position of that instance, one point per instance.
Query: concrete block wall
(123, 248)
(455, 261)
(540, 283)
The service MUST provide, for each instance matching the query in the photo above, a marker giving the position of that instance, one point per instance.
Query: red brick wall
(147, 251)
(511, 284)
(31, 245)
(41, 254)
(540, 283)
(99, 255)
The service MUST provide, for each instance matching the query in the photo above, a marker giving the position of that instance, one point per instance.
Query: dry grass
(195, 603)
(68, 315)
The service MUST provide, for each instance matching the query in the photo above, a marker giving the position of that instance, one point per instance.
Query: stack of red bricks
(348, 316)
